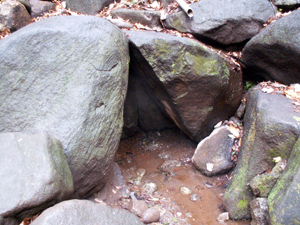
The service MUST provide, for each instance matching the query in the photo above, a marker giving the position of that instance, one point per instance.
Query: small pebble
(194, 197)
(150, 188)
(223, 217)
(139, 207)
(151, 215)
(185, 191)
(141, 172)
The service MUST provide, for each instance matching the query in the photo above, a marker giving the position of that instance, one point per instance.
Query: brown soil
(166, 157)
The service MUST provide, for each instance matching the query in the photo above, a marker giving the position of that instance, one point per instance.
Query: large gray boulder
(190, 84)
(13, 15)
(34, 174)
(90, 7)
(78, 212)
(68, 75)
(284, 198)
(223, 21)
(271, 130)
(274, 53)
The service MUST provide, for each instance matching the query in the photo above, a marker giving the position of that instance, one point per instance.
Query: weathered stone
(189, 83)
(138, 207)
(213, 155)
(223, 21)
(261, 185)
(38, 8)
(259, 211)
(287, 4)
(34, 174)
(13, 15)
(151, 215)
(8, 221)
(27, 5)
(90, 7)
(284, 199)
(271, 129)
(78, 212)
(274, 53)
(68, 75)
(144, 17)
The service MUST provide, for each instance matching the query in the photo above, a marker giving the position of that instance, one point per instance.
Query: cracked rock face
(65, 75)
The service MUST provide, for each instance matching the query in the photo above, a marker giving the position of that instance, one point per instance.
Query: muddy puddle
(166, 159)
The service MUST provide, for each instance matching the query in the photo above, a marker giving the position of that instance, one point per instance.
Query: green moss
(243, 205)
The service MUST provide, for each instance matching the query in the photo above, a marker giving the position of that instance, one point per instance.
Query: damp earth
(184, 195)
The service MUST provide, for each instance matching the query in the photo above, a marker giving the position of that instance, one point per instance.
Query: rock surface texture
(34, 174)
(68, 75)
(271, 130)
(284, 199)
(212, 155)
(13, 15)
(223, 21)
(78, 212)
(189, 84)
(144, 17)
(259, 211)
(274, 53)
(287, 4)
(38, 8)
(90, 7)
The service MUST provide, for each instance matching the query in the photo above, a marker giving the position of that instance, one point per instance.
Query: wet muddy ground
(166, 157)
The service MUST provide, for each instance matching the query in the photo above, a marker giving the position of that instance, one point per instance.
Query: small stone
(259, 211)
(150, 188)
(139, 207)
(151, 215)
(128, 159)
(185, 191)
(141, 172)
(137, 181)
(194, 197)
(223, 217)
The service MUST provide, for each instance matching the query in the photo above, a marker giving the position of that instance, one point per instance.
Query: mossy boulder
(68, 75)
(271, 130)
(274, 53)
(284, 199)
(262, 184)
(189, 83)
